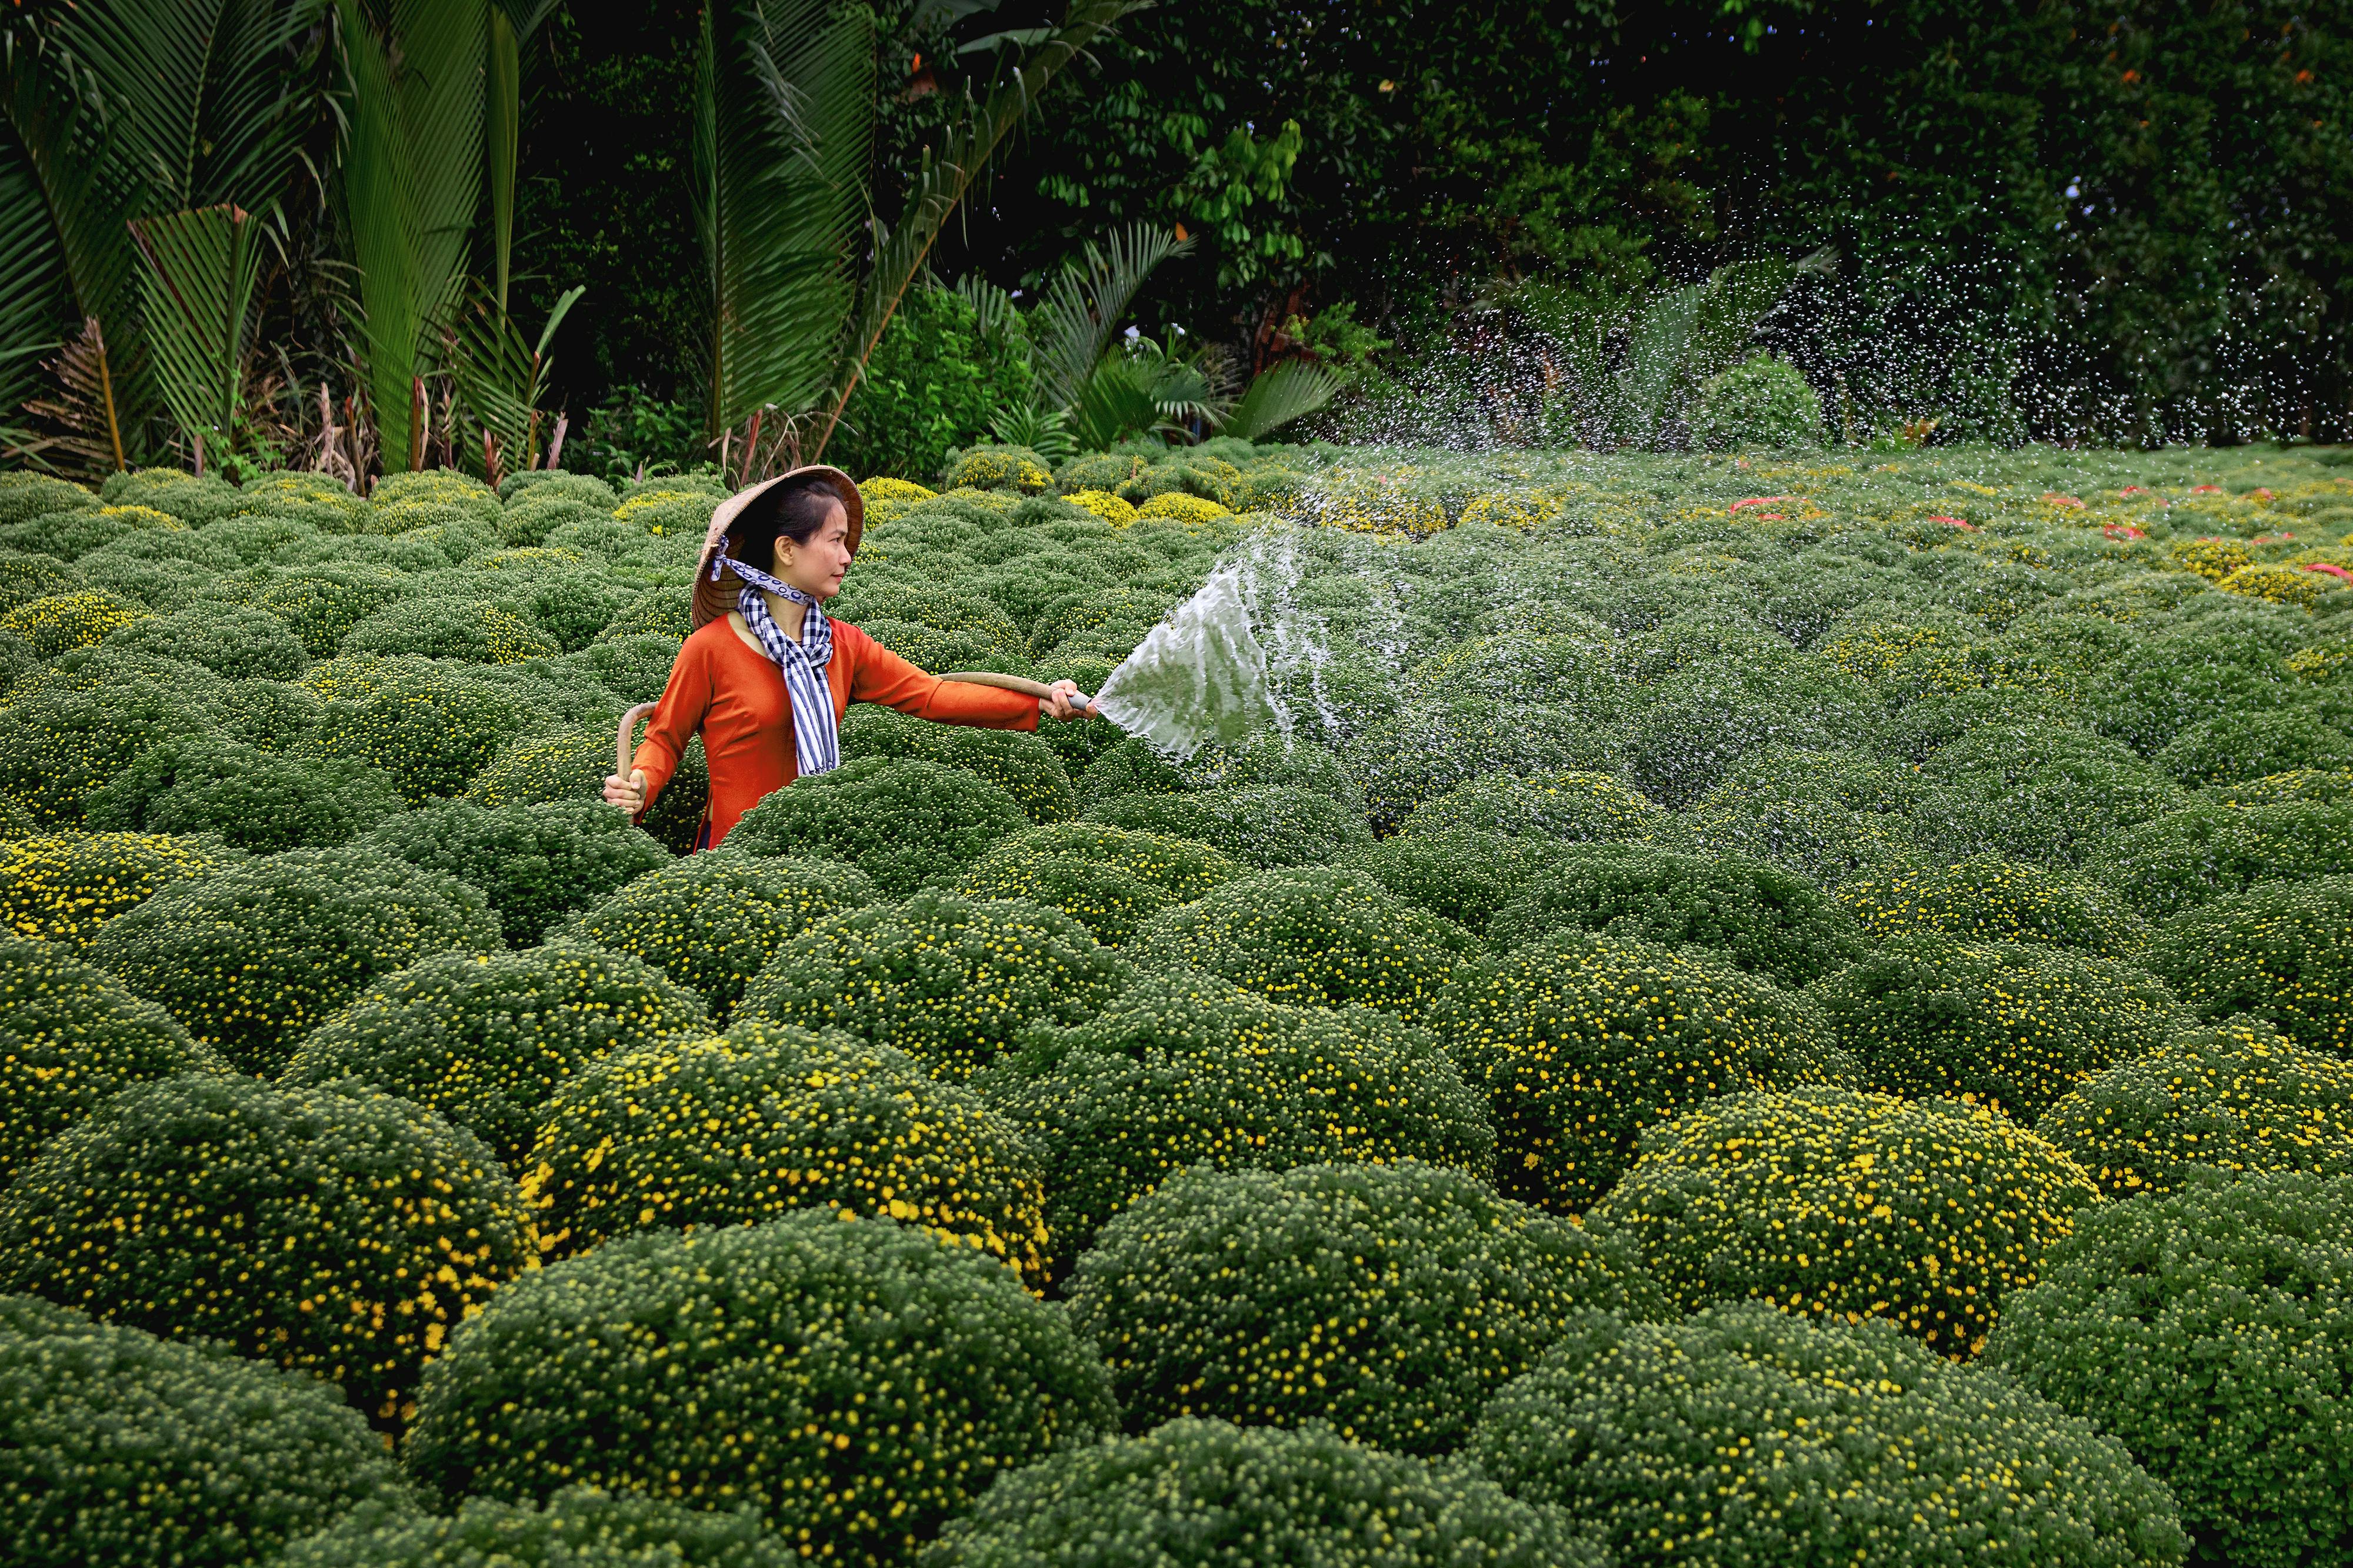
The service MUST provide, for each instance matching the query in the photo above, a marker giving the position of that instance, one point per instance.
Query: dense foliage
(126, 1449)
(696, 1131)
(1188, 1070)
(65, 888)
(1208, 1494)
(1386, 1300)
(338, 1231)
(2208, 1331)
(949, 981)
(1988, 900)
(581, 1527)
(1743, 1435)
(1926, 1213)
(900, 820)
(2237, 1097)
(854, 1431)
(485, 1040)
(1580, 1041)
(536, 864)
(2280, 951)
(2014, 1025)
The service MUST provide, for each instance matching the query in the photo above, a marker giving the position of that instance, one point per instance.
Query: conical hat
(712, 600)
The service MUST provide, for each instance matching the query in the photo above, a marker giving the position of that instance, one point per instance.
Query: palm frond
(411, 186)
(1083, 307)
(1044, 431)
(1279, 395)
(201, 265)
(34, 295)
(783, 132)
(500, 379)
(946, 177)
(993, 310)
(501, 139)
(198, 93)
(1116, 403)
(53, 112)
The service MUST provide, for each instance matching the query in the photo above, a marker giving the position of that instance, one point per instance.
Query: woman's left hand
(1059, 706)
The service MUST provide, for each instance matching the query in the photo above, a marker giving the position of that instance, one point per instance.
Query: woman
(767, 676)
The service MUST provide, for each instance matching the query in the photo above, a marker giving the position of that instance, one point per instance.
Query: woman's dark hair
(794, 512)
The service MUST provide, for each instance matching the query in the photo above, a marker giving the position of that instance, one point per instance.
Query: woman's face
(816, 568)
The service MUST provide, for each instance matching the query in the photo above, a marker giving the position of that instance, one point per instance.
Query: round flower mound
(1188, 1069)
(1313, 937)
(448, 626)
(1466, 877)
(2015, 1023)
(1183, 869)
(339, 1232)
(1987, 899)
(255, 800)
(70, 1039)
(572, 766)
(2037, 791)
(2237, 1097)
(952, 982)
(1758, 916)
(579, 1528)
(2330, 786)
(1266, 825)
(237, 643)
(52, 625)
(857, 1381)
(1581, 1040)
(536, 864)
(136, 1452)
(1207, 1494)
(901, 820)
(696, 1131)
(432, 732)
(2206, 851)
(2281, 951)
(66, 889)
(1097, 894)
(1742, 1435)
(1834, 1203)
(1020, 764)
(1127, 766)
(2210, 1331)
(485, 1041)
(713, 920)
(1390, 1300)
(2232, 748)
(1575, 807)
(252, 957)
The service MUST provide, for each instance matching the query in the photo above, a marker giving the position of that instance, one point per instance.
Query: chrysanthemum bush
(572, 764)
(699, 1131)
(581, 1527)
(252, 957)
(2208, 1331)
(1208, 1494)
(253, 799)
(50, 626)
(2036, 793)
(855, 1428)
(1987, 898)
(1311, 936)
(485, 1040)
(2011, 1024)
(1580, 1041)
(1575, 807)
(432, 732)
(2237, 1097)
(337, 1231)
(2205, 852)
(1466, 878)
(129, 1449)
(238, 644)
(65, 888)
(71, 1038)
(1390, 1300)
(2280, 951)
(1833, 1203)
(1756, 916)
(1263, 825)
(900, 820)
(536, 864)
(713, 920)
(1186, 1070)
(2235, 747)
(952, 982)
(1740, 1436)
(1826, 816)
(1020, 764)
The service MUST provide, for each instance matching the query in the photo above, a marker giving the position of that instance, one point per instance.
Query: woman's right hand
(628, 794)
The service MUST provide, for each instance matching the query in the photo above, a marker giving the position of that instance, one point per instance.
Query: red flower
(2337, 572)
(1956, 522)
(1758, 500)
(2207, 491)
(2055, 499)
(2123, 530)
(2261, 494)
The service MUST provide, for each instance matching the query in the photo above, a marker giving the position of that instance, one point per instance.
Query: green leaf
(1279, 395)
(198, 294)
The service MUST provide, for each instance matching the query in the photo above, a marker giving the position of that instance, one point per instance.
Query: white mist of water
(1200, 678)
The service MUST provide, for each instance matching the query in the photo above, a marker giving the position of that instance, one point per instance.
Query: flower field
(1756, 1010)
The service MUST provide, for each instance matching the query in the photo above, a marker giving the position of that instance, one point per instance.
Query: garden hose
(1021, 683)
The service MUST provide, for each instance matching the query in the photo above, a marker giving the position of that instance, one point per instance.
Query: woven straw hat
(714, 600)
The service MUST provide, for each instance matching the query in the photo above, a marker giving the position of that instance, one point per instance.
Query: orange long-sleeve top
(735, 696)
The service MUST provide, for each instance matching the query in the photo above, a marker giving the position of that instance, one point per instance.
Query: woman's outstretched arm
(878, 674)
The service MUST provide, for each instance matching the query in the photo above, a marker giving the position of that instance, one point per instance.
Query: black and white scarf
(802, 663)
